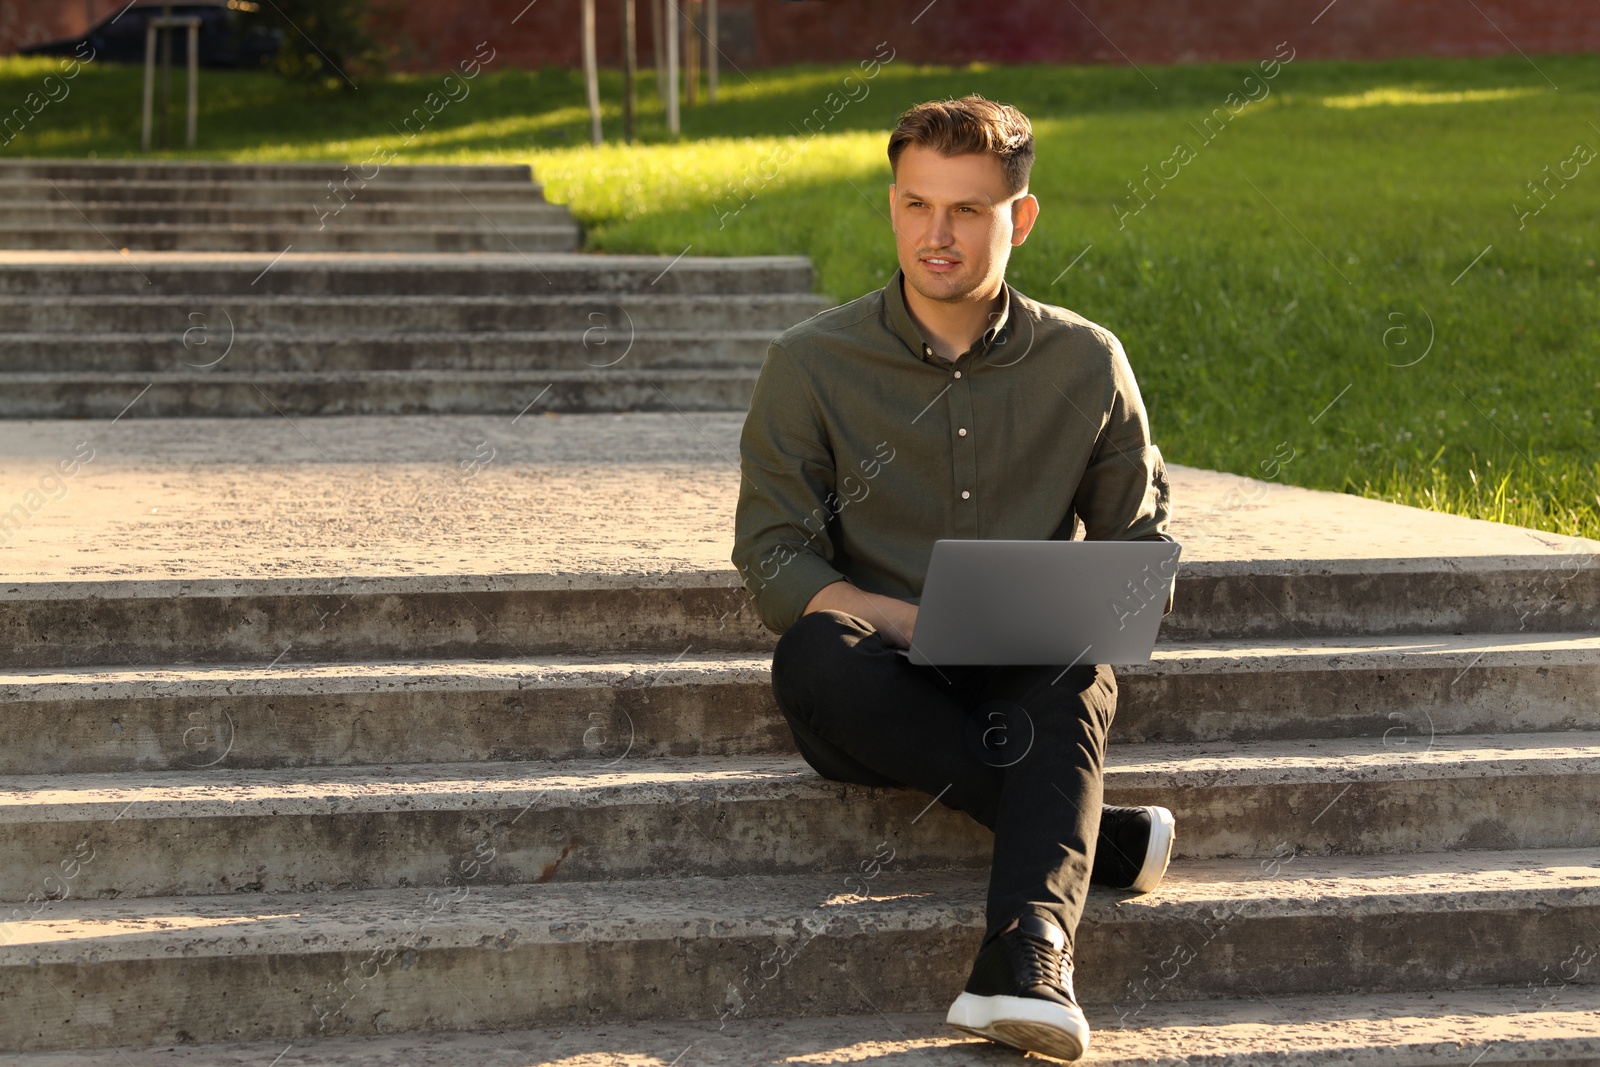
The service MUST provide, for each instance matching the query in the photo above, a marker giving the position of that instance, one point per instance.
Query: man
(949, 405)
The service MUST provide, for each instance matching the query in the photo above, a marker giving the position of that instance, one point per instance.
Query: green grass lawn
(1305, 257)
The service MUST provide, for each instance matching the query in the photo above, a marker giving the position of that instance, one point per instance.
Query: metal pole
(630, 70)
(166, 73)
(194, 83)
(591, 72)
(672, 21)
(711, 51)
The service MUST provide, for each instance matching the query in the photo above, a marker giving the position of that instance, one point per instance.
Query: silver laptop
(1042, 602)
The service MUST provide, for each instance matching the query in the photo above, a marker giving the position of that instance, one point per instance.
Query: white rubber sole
(1023, 1022)
(1158, 853)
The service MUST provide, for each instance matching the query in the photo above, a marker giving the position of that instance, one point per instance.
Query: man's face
(955, 223)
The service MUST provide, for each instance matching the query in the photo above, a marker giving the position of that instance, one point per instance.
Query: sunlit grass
(1281, 289)
(1396, 96)
(1569, 503)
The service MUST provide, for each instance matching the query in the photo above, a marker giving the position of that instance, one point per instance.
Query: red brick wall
(25, 22)
(1177, 31)
(437, 33)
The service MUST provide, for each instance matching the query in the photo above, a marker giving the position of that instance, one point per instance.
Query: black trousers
(1020, 749)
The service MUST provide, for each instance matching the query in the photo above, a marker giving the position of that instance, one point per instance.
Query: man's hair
(970, 125)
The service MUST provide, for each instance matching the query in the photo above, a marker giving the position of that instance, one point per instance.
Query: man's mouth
(940, 263)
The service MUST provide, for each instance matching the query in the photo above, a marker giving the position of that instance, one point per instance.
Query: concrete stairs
(450, 739)
(82, 335)
(1373, 1030)
(215, 289)
(558, 809)
(255, 207)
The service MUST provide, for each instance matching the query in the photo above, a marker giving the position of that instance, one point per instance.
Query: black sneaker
(1134, 849)
(1020, 993)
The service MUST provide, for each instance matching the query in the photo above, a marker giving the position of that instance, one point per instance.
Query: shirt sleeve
(783, 544)
(1124, 494)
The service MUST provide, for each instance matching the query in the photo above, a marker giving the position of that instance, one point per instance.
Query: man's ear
(891, 207)
(1024, 213)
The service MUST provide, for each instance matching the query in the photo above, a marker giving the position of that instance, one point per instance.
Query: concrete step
(242, 237)
(299, 215)
(1494, 1027)
(499, 272)
(48, 624)
(92, 395)
(1408, 689)
(551, 708)
(1472, 791)
(62, 204)
(36, 328)
(452, 537)
(117, 359)
(423, 825)
(208, 969)
(211, 173)
(618, 817)
(326, 192)
(68, 624)
(1410, 692)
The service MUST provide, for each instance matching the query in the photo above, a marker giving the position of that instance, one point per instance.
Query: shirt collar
(905, 328)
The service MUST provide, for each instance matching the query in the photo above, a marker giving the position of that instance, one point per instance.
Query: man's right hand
(895, 620)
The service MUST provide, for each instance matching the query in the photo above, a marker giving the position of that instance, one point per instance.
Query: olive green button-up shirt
(862, 448)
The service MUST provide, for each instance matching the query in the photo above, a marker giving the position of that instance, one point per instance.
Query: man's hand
(895, 620)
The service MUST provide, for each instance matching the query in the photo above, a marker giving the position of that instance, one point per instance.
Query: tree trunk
(658, 37)
(691, 53)
(164, 44)
(712, 51)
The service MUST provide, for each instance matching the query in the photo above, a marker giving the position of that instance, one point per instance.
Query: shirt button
(965, 494)
(927, 351)
(962, 431)
(958, 374)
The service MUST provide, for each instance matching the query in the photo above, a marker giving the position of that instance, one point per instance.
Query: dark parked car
(233, 33)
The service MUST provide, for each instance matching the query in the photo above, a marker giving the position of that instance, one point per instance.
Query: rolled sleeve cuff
(782, 599)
